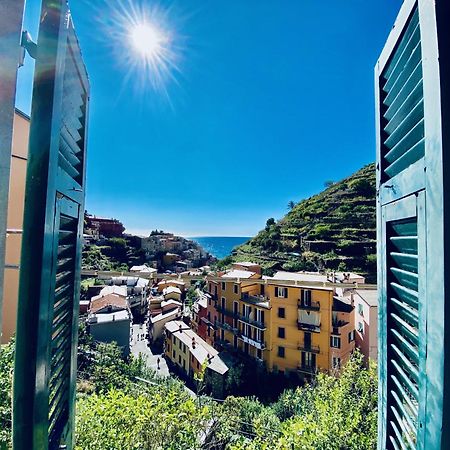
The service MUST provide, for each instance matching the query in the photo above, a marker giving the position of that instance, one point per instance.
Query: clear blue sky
(272, 99)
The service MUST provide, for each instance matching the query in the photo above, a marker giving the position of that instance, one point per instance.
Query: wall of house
(19, 156)
(294, 338)
(116, 331)
(366, 328)
(177, 352)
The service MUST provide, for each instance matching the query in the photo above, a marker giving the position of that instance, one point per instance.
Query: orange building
(19, 156)
(285, 321)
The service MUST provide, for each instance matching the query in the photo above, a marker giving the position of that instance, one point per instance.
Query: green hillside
(335, 229)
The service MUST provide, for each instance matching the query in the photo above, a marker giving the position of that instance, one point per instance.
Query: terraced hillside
(335, 229)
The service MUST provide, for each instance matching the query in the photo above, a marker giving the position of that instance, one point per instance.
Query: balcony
(255, 323)
(308, 327)
(225, 326)
(312, 370)
(226, 312)
(309, 348)
(337, 326)
(309, 305)
(255, 343)
(259, 300)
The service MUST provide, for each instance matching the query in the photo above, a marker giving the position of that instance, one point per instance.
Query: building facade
(16, 199)
(289, 327)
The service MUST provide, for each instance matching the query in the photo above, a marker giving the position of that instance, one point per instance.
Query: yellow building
(283, 321)
(189, 352)
(19, 156)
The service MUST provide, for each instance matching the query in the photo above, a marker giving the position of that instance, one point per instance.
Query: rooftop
(108, 300)
(165, 315)
(171, 290)
(118, 316)
(238, 274)
(370, 296)
(118, 290)
(300, 276)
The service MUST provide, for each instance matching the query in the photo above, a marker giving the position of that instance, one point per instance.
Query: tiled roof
(108, 300)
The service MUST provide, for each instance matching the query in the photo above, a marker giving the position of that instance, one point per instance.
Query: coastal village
(201, 323)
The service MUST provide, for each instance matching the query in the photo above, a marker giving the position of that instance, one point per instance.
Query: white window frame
(335, 342)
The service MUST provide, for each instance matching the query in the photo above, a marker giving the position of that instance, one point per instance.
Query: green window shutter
(411, 78)
(45, 366)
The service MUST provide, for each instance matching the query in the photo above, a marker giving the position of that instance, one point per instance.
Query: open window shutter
(411, 228)
(45, 367)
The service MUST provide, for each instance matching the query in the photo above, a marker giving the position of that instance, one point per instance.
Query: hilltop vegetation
(333, 230)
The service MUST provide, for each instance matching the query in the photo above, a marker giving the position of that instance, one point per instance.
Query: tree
(328, 183)
(6, 376)
(270, 222)
(291, 204)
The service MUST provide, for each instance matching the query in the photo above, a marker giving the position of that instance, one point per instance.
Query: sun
(147, 40)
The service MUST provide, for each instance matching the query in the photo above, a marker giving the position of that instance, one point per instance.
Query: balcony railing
(258, 344)
(226, 312)
(337, 326)
(260, 300)
(308, 327)
(227, 327)
(253, 322)
(307, 369)
(309, 305)
(309, 348)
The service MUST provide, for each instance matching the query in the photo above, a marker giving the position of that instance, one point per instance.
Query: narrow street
(139, 346)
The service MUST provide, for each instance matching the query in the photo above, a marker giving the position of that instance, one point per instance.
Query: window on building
(259, 353)
(192, 358)
(281, 352)
(223, 285)
(308, 359)
(281, 292)
(361, 327)
(351, 336)
(306, 297)
(198, 366)
(235, 288)
(209, 332)
(360, 309)
(335, 342)
(174, 355)
(281, 313)
(209, 316)
(209, 302)
(281, 332)
(179, 359)
(336, 362)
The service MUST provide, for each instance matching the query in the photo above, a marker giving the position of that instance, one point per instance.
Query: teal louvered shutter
(45, 366)
(412, 217)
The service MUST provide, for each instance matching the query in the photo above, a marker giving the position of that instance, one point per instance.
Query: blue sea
(220, 246)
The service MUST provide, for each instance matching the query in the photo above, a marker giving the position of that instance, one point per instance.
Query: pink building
(366, 321)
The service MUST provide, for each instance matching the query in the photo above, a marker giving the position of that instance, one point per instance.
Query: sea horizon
(219, 246)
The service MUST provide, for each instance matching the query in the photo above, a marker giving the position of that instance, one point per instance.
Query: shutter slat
(403, 427)
(406, 328)
(410, 314)
(408, 279)
(399, 436)
(407, 397)
(399, 131)
(404, 413)
(408, 366)
(403, 45)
